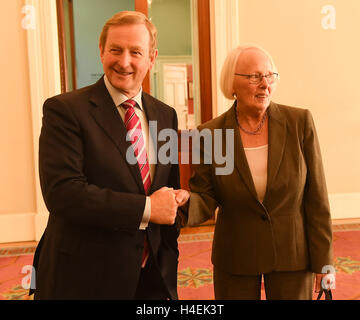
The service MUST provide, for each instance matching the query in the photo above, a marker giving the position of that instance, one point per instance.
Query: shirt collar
(118, 97)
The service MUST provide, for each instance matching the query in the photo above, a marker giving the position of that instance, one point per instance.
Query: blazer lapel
(277, 140)
(108, 118)
(240, 160)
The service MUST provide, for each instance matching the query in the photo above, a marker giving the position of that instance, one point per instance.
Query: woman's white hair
(227, 75)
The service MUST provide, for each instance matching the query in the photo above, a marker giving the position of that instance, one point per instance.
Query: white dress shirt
(118, 98)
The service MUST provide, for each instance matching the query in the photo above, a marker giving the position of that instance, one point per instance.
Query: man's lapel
(152, 114)
(108, 118)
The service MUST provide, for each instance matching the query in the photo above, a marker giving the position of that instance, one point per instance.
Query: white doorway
(175, 91)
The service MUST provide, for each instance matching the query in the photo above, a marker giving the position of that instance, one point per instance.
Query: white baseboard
(41, 220)
(345, 205)
(21, 227)
(16, 227)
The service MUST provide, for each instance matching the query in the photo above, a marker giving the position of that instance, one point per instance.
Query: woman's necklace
(259, 126)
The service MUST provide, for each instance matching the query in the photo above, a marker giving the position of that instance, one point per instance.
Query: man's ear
(101, 52)
(153, 58)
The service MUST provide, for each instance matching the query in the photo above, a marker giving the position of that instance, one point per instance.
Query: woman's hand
(181, 196)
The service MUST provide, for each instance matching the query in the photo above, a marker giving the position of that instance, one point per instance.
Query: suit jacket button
(264, 217)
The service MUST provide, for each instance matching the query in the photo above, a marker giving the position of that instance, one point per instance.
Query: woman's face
(249, 95)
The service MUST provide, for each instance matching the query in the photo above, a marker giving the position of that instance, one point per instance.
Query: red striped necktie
(133, 127)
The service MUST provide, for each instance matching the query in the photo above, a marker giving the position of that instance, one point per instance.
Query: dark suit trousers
(292, 285)
(151, 284)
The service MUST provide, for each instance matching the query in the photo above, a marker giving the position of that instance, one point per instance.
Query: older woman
(273, 221)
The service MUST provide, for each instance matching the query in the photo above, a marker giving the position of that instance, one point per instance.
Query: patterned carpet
(195, 268)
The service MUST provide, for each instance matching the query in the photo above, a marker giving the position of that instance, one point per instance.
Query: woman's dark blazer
(291, 229)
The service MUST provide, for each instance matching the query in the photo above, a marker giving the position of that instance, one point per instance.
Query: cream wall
(319, 70)
(30, 66)
(17, 187)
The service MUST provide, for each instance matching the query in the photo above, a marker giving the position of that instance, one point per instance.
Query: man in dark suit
(111, 232)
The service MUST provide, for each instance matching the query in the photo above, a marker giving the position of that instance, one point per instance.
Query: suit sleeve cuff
(146, 216)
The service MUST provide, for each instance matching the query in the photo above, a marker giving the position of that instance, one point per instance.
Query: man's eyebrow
(113, 45)
(138, 48)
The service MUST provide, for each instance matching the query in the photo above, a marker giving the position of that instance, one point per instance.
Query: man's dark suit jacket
(291, 229)
(90, 248)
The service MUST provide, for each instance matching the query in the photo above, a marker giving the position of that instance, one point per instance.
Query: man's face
(255, 96)
(126, 57)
